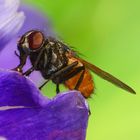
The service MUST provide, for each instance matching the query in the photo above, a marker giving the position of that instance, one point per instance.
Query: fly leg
(17, 54)
(44, 84)
(30, 70)
(64, 77)
(58, 73)
(80, 80)
(77, 70)
(22, 63)
(57, 88)
(78, 84)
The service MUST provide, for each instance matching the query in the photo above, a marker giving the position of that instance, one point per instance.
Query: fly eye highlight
(35, 40)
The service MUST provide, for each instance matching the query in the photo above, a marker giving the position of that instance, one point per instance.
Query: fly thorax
(57, 60)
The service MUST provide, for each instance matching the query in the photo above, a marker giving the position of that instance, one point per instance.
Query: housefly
(59, 63)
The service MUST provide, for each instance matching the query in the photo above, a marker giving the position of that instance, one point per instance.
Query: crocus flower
(25, 114)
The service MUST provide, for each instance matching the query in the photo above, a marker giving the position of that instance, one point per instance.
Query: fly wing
(107, 76)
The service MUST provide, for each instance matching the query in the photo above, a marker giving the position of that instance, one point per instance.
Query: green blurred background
(107, 32)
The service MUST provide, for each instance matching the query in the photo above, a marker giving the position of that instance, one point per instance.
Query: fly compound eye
(35, 40)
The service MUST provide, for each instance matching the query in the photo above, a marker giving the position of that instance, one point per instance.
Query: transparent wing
(107, 76)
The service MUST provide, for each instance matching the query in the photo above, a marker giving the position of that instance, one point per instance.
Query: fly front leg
(30, 70)
(22, 63)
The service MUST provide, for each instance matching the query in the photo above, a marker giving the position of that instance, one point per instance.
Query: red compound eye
(35, 40)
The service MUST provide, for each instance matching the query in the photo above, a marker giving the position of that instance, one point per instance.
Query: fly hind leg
(64, 77)
(80, 80)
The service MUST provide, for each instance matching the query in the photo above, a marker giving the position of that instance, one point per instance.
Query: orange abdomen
(86, 87)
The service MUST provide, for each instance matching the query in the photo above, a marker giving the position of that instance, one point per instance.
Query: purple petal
(63, 118)
(16, 90)
(10, 20)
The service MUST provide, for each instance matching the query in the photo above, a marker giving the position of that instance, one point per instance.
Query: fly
(59, 63)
